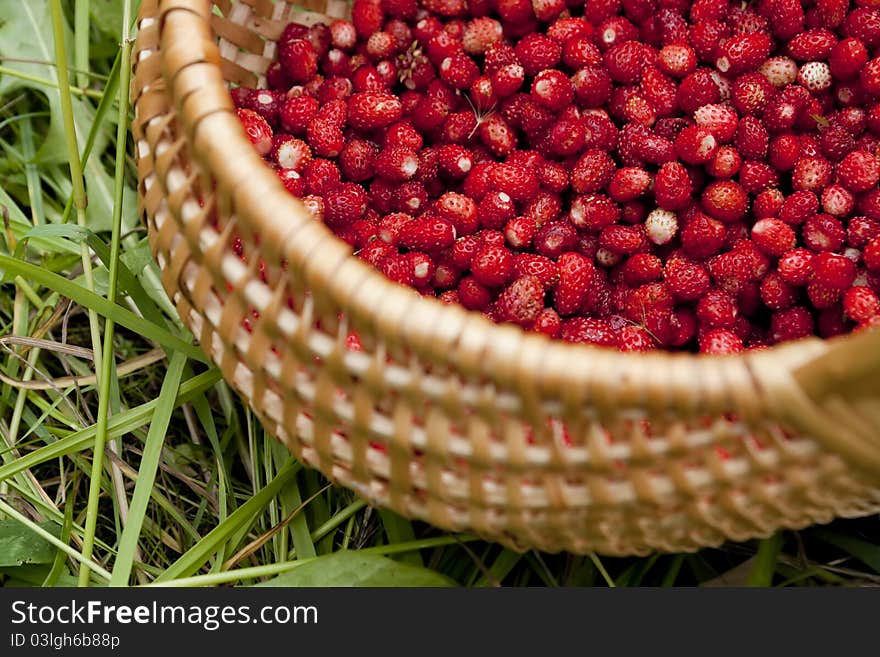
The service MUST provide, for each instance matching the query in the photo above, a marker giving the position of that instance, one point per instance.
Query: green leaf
(27, 34)
(106, 15)
(348, 568)
(866, 552)
(20, 546)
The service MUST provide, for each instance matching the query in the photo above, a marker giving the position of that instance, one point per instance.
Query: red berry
(257, 129)
(696, 145)
(720, 341)
(743, 53)
(522, 301)
(861, 304)
(492, 265)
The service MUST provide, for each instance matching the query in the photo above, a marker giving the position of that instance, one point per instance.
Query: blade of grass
(80, 200)
(243, 516)
(398, 530)
(120, 424)
(500, 568)
(28, 150)
(60, 560)
(255, 572)
(42, 533)
(107, 359)
(672, 572)
(147, 471)
(99, 304)
(765, 561)
(81, 41)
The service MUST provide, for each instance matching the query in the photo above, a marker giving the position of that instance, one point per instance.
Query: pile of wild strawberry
(638, 174)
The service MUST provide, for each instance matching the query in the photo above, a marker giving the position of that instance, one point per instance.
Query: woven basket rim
(764, 378)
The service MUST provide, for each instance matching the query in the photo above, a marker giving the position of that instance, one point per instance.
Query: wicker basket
(444, 416)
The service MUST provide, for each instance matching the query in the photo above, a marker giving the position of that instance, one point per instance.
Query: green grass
(187, 489)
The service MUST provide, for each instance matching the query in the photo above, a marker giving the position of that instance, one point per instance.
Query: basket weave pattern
(444, 416)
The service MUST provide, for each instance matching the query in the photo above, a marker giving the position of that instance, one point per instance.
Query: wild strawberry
(672, 187)
(628, 183)
(837, 201)
(536, 53)
(822, 232)
(859, 171)
(717, 309)
(497, 135)
(720, 120)
(530, 264)
(743, 53)
(555, 238)
(552, 89)
(861, 304)
(751, 92)
(773, 236)
(696, 145)
(725, 164)
(795, 266)
(847, 59)
(642, 268)
(687, 280)
(410, 197)
(815, 76)
(576, 276)
(460, 211)
(811, 174)
(861, 230)
(390, 226)
(767, 203)
(623, 240)
(705, 37)
(427, 233)
(751, 138)
(343, 34)
(814, 44)
(396, 164)
(835, 141)
(863, 23)
(755, 177)
(547, 323)
(345, 204)
(522, 301)
(368, 110)
(481, 33)
(720, 342)
(590, 331)
(299, 59)
(624, 62)
(398, 268)
(784, 150)
(725, 200)
(702, 237)
(257, 129)
(661, 226)
(871, 255)
(779, 71)
(423, 267)
(266, 103)
(798, 207)
(292, 180)
(492, 266)
(791, 324)
(678, 60)
(291, 153)
(325, 137)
